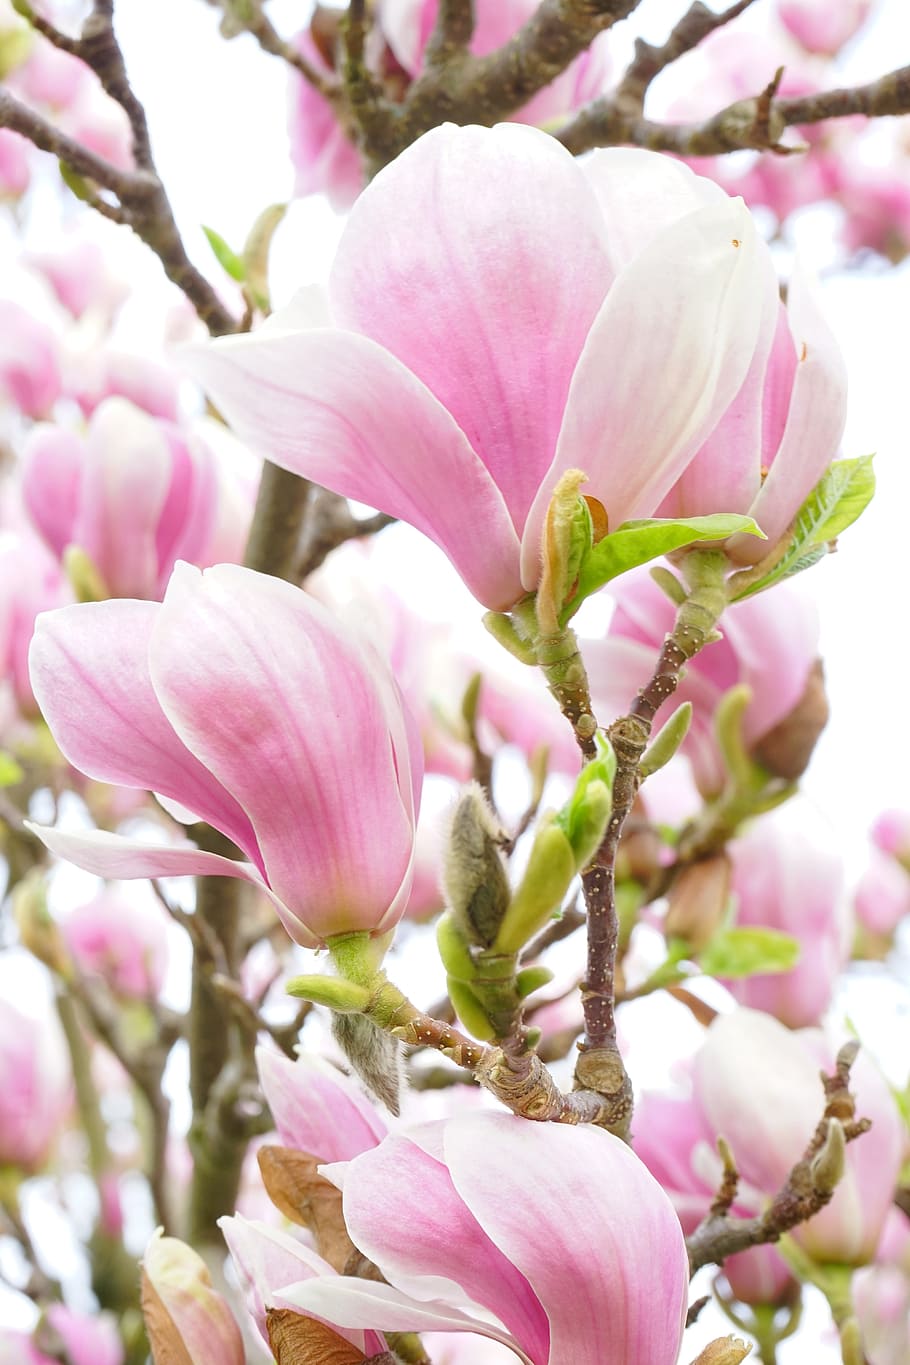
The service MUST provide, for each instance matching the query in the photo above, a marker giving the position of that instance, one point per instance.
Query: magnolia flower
(882, 896)
(770, 643)
(30, 582)
(184, 1316)
(758, 1084)
(819, 26)
(780, 433)
(782, 880)
(136, 495)
(35, 1090)
(559, 1232)
(599, 315)
(316, 1108)
(29, 361)
(121, 939)
(241, 700)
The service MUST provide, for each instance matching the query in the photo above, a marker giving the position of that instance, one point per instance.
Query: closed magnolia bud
(550, 870)
(698, 901)
(640, 847)
(476, 885)
(786, 749)
(188, 1322)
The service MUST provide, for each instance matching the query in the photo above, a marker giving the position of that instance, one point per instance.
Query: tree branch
(649, 61)
(754, 124)
(250, 17)
(807, 1190)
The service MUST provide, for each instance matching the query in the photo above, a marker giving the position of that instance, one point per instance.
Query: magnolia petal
(260, 681)
(51, 465)
(346, 1302)
(446, 1253)
(125, 481)
(815, 422)
(116, 857)
(774, 662)
(338, 409)
(89, 671)
(608, 1244)
(461, 281)
(316, 1108)
(667, 353)
(639, 195)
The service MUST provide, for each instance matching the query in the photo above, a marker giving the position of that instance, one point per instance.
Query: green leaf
(638, 542)
(748, 952)
(10, 771)
(226, 258)
(840, 496)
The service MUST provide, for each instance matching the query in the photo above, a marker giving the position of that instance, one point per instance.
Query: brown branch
(331, 523)
(649, 61)
(754, 124)
(807, 1190)
(250, 17)
(453, 32)
(44, 135)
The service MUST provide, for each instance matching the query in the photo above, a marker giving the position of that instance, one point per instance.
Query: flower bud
(474, 876)
(188, 1322)
(785, 750)
(723, 1351)
(699, 898)
(550, 870)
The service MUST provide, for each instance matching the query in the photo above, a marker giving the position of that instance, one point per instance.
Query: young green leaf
(638, 542)
(226, 258)
(749, 951)
(837, 500)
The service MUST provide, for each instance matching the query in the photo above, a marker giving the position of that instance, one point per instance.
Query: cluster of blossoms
(587, 379)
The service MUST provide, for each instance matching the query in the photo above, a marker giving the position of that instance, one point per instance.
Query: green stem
(90, 1115)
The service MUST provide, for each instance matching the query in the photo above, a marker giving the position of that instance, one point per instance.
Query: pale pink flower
(882, 897)
(80, 278)
(325, 159)
(758, 1084)
(147, 383)
(786, 881)
(182, 1310)
(823, 27)
(242, 701)
(267, 1259)
(316, 1108)
(35, 1091)
(891, 833)
(876, 205)
(122, 939)
(780, 433)
(135, 495)
(770, 643)
(881, 1299)
(15, 170)
(50, 76)
(29, 361)
(600, 314)
(87, 1340)
(30, 582)
(559, 1232)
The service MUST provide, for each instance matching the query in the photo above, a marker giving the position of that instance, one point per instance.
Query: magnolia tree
(294, 1070)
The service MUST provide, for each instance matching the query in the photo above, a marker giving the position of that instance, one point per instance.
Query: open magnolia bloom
(553, 1240)
(241, 699)
(500, 313)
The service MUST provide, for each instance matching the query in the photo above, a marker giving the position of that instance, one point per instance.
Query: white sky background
(217, 114)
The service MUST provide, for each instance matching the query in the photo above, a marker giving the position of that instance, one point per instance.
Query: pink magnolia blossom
(80, 278)
(136, 496)
(123, 940)
(770, 643)
(183, 1311)
(821, 27)
(15, 170)
(87, 1340)
(891, 833)
(325, 159)
(675, 1141)
(782, 880)
(316, 1108)
(876, 205)
(882, 897)
(599, 314)
(267, 1259)
(758, 1084)
(49, 75)
(780, 433)
(560, 1233)
(240, 699)
(29, 361)
(101, 374)
(881, 1298)
(35, 1092)
(30, 582)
